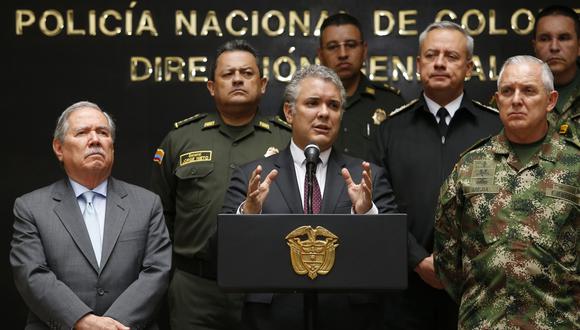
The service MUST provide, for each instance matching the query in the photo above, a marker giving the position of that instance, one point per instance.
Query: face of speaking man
(317, 113)
(524, 102)
(343, 50)
(443, 64)
(87, 150)
(557, 44)
(237, 85)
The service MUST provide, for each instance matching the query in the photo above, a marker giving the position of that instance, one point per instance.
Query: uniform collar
(365, 87)
(548, 151)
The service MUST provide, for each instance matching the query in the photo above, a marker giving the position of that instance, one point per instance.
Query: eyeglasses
(348, 45)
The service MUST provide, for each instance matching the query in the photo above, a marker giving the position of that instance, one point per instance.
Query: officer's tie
(316, 197)
(92, 223)
(442, 113)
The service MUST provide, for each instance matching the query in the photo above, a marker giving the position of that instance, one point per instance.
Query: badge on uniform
(271, 151)
(563, 128)
(158, 158)
(379, 116)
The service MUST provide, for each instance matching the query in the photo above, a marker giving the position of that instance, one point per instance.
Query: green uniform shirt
(192, 170)
(365, 110)
(506, 236)
(570, 104)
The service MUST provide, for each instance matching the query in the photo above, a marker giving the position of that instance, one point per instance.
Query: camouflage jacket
(506, 236)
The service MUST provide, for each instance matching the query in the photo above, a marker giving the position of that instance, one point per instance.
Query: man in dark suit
(418, 145)
(89, 251)
(314, 104)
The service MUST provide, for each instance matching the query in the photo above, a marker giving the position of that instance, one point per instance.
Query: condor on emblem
(313, 255)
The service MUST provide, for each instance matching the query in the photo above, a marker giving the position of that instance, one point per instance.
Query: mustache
(95, 150)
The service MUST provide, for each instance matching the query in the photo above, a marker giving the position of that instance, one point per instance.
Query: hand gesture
(258, 191)
(361, 195)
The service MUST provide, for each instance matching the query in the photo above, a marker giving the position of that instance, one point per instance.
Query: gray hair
(447, 25)
(546, 73)
(312, 71)
(62, 122)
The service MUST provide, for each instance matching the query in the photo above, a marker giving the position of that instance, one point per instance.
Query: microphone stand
(310, 296)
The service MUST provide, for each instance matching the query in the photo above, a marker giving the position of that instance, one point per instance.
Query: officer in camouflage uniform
(506, 240)
(344, 50)
(191, 174)
(557, 42)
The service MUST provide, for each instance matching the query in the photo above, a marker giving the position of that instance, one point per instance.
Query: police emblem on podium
(312, 250)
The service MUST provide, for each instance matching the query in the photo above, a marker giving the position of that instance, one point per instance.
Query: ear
(365, 50)
(552, 100)
(288, 113)
(263, 84)
(57, 148)
(417, 60)
(469, 68)
(210, 87)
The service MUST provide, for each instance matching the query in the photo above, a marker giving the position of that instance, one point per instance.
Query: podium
(255, 256)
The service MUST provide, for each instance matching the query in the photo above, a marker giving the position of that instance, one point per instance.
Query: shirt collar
(79, 189)
(299, 158)
(452, 107)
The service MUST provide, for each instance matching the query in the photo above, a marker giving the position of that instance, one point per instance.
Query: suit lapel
(115, 217)
(69, 213)
(286, 181)
(334, 185)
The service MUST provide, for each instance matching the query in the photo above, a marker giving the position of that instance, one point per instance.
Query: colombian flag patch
(158, 158)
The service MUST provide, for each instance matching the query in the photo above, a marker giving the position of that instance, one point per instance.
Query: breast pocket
(193, 182)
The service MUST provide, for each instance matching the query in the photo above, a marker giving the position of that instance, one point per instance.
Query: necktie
(442, 113)
(92, 223)
(316, 197)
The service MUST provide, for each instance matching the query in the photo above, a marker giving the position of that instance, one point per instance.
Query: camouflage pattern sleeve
(447, 249)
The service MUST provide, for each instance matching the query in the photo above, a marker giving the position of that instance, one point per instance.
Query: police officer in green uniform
(191, 174)
(557, 42)
(344, 50)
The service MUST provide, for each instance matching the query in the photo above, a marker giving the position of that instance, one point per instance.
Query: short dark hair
(340, 19)
(559, 11)
(235, 45)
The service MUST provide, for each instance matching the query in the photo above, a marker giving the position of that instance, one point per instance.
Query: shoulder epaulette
(476, 145)
(280, 122)
(189, 120)
(403, 108)
(387, 87)
(485, 107)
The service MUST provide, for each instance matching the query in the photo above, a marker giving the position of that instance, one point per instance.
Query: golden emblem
(310, 255)
(379, 116)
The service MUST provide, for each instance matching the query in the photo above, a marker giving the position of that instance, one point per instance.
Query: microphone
(312, 152)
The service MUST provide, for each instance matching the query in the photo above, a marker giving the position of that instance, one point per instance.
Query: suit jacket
(56, 271)
(283, 311)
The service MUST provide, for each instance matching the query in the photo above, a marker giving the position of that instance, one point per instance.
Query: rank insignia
(264, 125)
(309, 255)
(563, 128)
(379, 116)
(158, 158)
(271, 151)
(209, 124)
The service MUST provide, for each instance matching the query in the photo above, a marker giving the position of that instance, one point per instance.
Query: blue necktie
(92, 223)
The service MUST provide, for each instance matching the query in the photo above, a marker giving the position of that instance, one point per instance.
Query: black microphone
(312, 152)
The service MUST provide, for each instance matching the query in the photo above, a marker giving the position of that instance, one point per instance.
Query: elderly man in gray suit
(89, 251)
